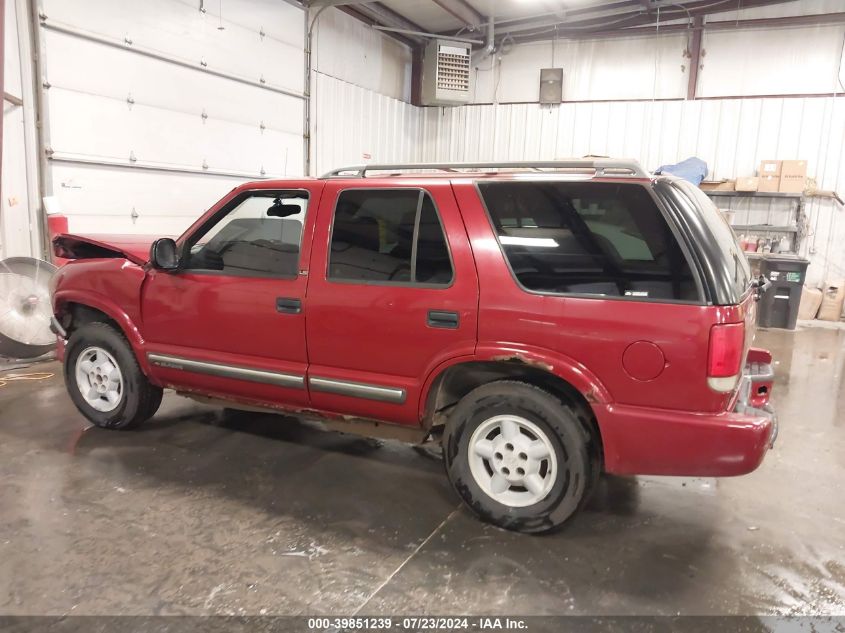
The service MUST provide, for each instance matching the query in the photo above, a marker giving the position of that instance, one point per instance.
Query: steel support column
(695, 56)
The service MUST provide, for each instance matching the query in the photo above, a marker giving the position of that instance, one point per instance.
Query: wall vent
(446, 73)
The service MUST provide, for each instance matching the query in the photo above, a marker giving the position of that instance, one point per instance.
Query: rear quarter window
(589, 238)
(723, 250)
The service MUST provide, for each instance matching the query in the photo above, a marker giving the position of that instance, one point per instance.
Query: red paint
(643, 360)
(57, 225)
(653, 441)
(135, 248)
(378, 334)
(641, 366)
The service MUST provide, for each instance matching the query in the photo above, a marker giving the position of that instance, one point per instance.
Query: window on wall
(388, 236)
(603, 239)
(258, 235)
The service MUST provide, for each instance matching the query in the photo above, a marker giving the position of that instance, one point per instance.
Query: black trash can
(778, 306)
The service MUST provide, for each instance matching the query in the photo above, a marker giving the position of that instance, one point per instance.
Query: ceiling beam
(462, 11)
(316, 4)
(718, 25)
(548, 17)
(376, 14)
(619, 16)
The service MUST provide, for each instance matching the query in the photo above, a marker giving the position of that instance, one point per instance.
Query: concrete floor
(197, 513)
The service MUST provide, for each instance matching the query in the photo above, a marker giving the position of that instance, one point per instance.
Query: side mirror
(164, 254)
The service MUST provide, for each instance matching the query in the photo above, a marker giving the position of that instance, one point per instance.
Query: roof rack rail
(601, 166)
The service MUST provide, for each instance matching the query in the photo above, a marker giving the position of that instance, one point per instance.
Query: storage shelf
(755, 255)
(765, 227)
(753, 194)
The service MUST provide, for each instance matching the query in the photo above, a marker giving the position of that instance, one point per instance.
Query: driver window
(259, 236)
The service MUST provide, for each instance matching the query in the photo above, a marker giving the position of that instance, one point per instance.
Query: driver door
(229, 322)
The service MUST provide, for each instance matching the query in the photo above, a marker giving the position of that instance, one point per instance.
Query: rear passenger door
(393, 294)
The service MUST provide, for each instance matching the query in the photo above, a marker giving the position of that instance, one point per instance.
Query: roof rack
(601, 167)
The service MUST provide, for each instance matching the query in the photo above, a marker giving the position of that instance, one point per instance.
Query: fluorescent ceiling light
(542, 242)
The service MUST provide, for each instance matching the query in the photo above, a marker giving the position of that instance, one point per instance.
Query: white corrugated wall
(353, 125)
(731, 135)
(360, 87)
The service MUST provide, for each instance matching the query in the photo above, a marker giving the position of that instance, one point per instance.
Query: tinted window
(732, 261)
(592, 238)
(433, 263)
(388, 236)
(259, 235)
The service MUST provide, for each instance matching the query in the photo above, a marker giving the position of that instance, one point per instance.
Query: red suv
(545, 321)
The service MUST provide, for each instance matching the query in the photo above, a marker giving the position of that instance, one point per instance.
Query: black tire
(565, 432)
(139, 399)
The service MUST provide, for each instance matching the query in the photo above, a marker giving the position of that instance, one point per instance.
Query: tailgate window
(589, 238)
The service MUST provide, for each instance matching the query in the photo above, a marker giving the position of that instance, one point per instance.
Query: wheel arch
(73, 310)
(452, 382)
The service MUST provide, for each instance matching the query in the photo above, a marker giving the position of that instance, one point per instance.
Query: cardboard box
(717, 185)
(768, 183)
(793, 176)
(747, 183)
(770, 168)
(811, 299)
(833, 296)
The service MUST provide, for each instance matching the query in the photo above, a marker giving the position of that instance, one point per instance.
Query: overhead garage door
(155, 109)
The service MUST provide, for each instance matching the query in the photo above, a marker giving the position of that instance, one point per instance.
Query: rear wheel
(104, 380)
(518, 456)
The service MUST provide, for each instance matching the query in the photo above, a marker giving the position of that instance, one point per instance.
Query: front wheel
(104, 380)
(518, 456)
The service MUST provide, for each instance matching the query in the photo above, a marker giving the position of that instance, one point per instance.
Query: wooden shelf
(765, 227)
(755, 255)
(753, 194)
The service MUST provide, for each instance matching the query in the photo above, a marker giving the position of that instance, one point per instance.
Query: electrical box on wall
(551, 85)
(446, 73)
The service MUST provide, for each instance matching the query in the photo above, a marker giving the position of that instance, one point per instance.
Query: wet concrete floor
(202, 513)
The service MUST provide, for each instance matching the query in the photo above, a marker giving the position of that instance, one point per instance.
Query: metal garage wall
(738, 61)
(732, 135)
(630, 68)
(353, 125)
(790, 60)
(359, 91)
(349, 50)
(156, 108)
(19, 226)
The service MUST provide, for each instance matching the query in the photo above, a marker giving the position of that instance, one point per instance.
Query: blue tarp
(692, 169)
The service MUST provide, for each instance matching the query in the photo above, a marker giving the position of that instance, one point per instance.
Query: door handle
(443, 318)
(288, 305)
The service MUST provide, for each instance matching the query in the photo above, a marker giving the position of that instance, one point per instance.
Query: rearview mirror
(282, 210)
(164, 254)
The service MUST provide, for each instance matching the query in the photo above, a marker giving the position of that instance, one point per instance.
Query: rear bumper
(645, 441)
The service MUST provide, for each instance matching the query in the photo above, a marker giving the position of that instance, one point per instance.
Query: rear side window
(388, 236)
(588, 238)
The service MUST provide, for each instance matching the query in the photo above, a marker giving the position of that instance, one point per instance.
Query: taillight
(724, 357)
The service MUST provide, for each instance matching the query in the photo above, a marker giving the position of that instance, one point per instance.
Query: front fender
(111, 286)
